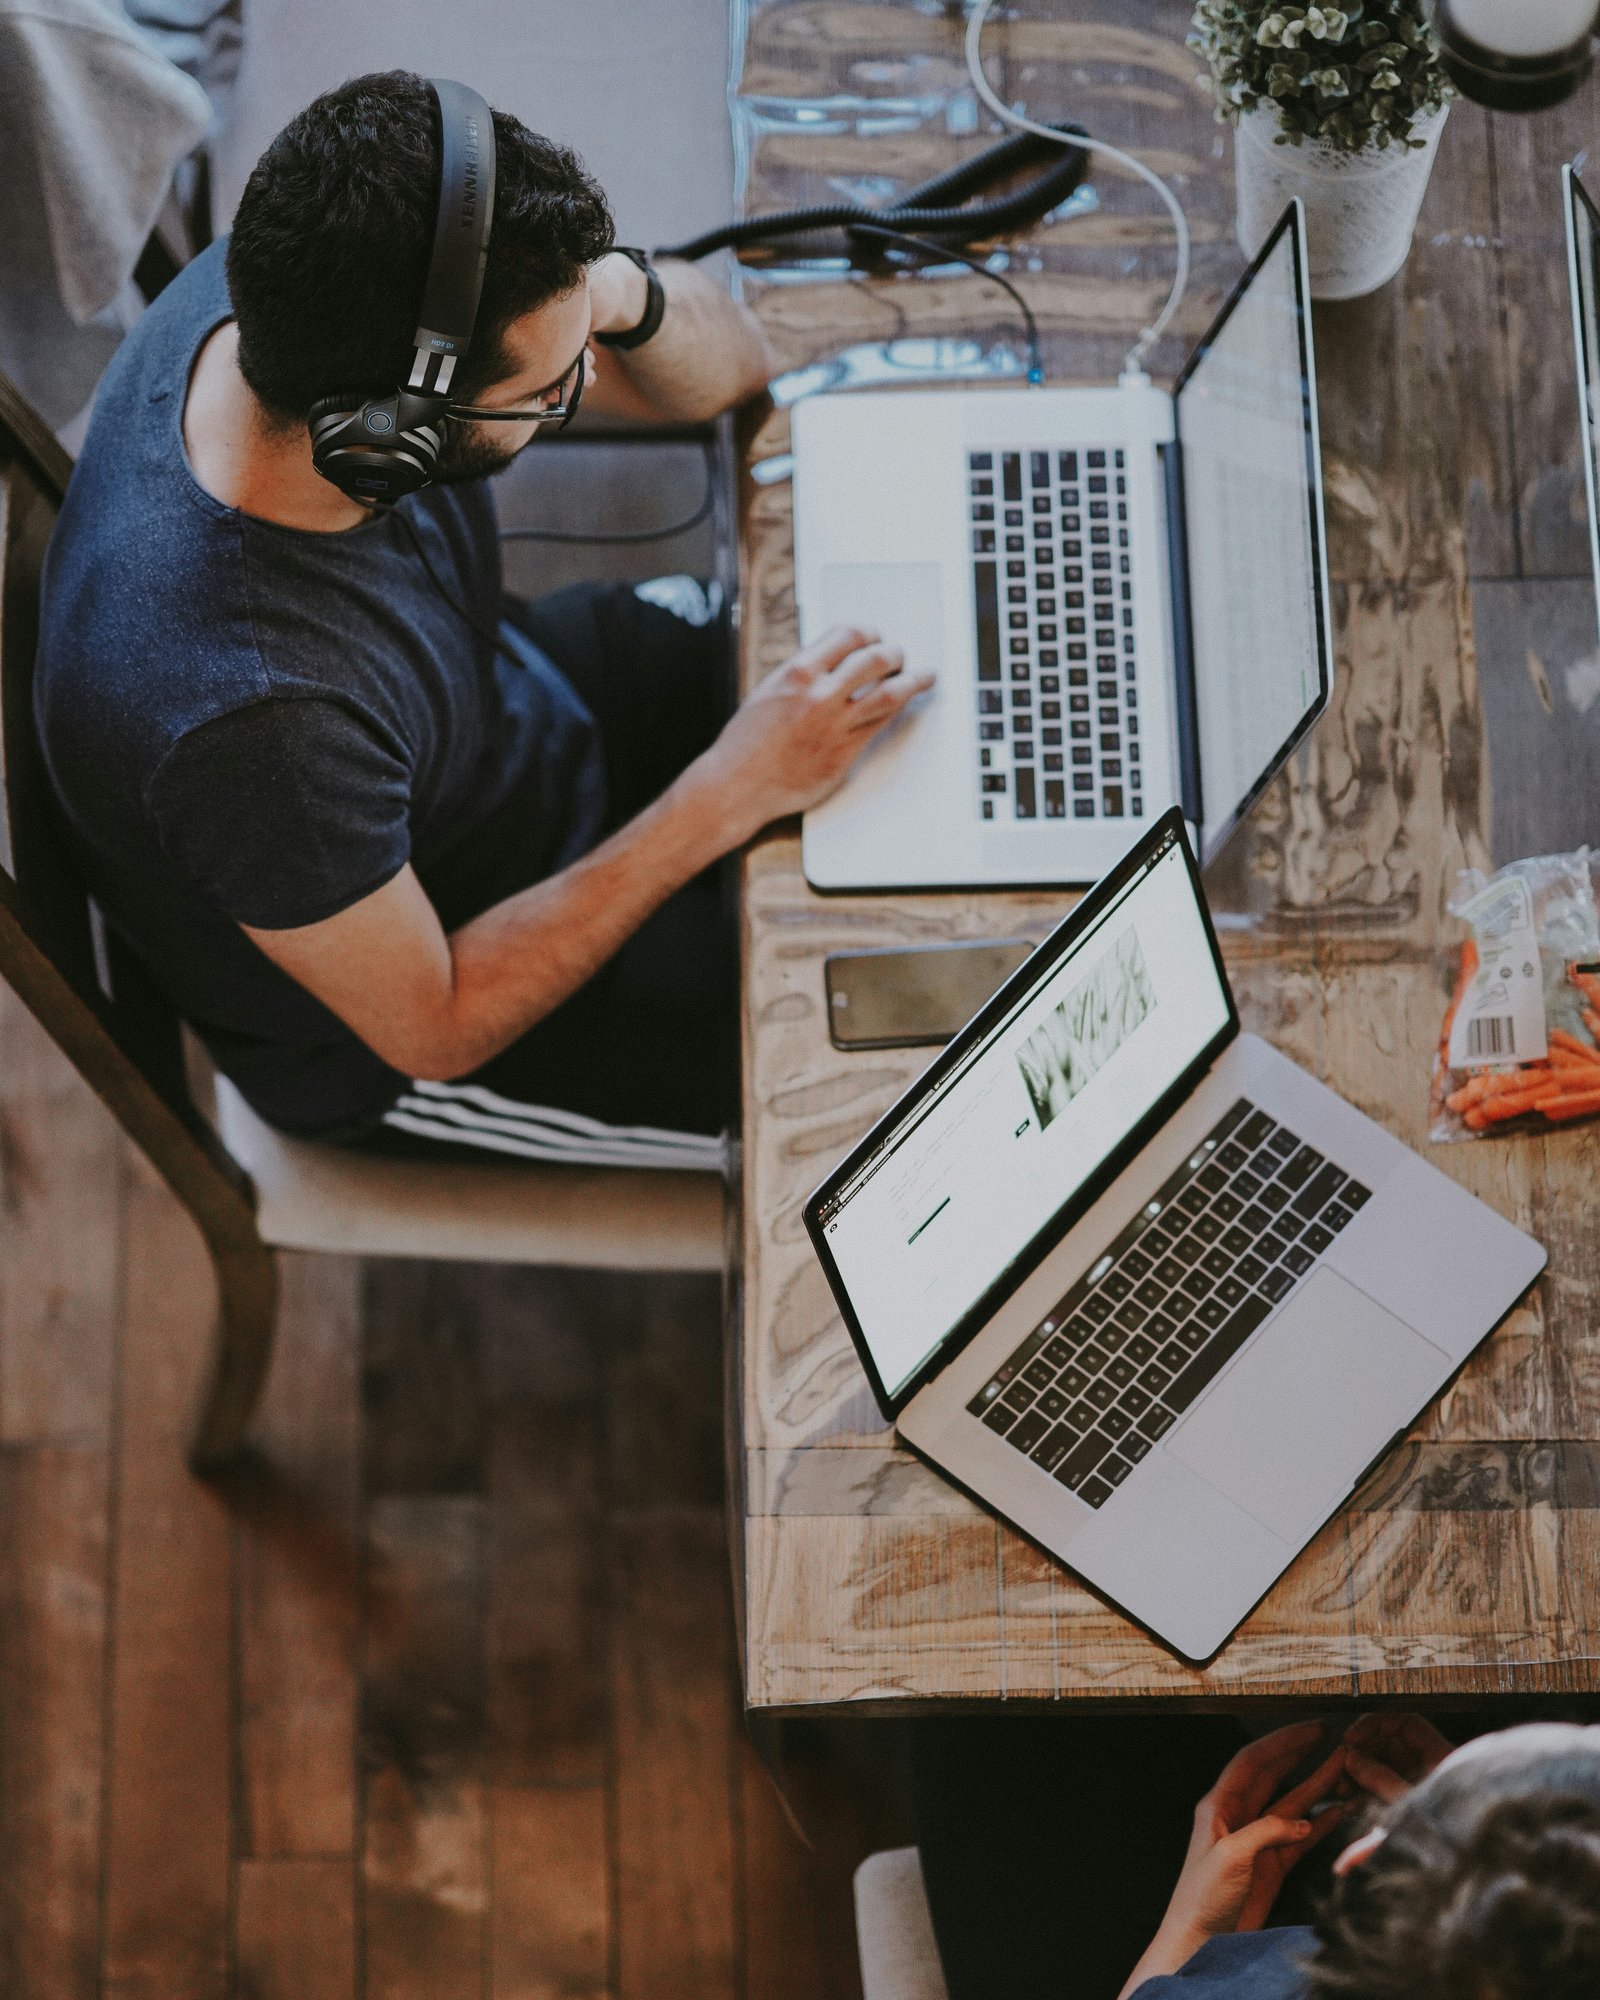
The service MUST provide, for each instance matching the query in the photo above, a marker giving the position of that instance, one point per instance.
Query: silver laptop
(1140, 1283)
(1123, 593)
(1583, 237)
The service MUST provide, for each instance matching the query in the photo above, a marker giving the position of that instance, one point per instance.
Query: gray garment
(92, 123)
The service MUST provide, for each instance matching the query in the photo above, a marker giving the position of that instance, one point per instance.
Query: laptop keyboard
(1058, 699)
(1169, 1303)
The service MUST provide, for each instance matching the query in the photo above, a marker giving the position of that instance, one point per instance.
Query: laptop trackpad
(1323, 1388)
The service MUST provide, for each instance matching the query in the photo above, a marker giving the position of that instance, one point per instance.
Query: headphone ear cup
(377, 449)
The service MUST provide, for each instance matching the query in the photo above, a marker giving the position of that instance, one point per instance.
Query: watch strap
(654, 309)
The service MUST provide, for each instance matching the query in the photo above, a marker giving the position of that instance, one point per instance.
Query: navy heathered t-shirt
(1251, 1965)
(250, 724)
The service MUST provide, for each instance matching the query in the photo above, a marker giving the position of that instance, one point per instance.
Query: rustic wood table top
(1462, 731)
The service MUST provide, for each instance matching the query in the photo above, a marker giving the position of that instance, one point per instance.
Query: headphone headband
(460, 236)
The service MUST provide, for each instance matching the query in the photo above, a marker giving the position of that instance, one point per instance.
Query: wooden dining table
(1463, 732)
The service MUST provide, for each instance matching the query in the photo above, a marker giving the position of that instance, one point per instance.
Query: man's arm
(438, 1006)
(708, 354)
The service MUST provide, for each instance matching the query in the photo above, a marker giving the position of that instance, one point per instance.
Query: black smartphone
(926, 994)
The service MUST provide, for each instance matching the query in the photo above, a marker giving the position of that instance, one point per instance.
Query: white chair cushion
(894, 1931)
(314, 1197)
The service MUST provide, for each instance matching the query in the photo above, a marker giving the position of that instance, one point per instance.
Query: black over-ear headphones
(382, 449)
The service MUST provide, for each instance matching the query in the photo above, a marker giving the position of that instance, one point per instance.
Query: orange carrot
(1591, 1020)
(1560, 1039)
(1493, 1111)
(1572, 1107)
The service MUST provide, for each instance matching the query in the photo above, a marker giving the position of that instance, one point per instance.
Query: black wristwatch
(655, 305)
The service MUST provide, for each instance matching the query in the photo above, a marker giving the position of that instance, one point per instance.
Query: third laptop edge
(1123, 593)
(1139, 1282)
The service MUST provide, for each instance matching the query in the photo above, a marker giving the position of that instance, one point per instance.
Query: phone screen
(922, 996)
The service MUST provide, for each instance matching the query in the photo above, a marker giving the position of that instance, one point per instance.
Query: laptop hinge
(1188, 720)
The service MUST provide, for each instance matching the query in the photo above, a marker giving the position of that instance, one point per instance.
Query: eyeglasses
(568, 392)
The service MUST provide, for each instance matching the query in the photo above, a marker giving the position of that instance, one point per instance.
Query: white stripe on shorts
(468, 1114)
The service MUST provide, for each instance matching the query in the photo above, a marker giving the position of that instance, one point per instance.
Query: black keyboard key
(1192, 1200)
(1169, 1272)
(1135, 1263)
(1101, 1394)
(1029, 1430)
(1163, 1325)
(1134, 1447)
(1255, 1129)
(1227, 1206)
(1230, 1121)
(1081, 1417)
(1251, 1269)
(999, 1418)
(1156, 1241)
(1093, 1358)
(1316, 1239)
(988, 610)
(1231, 1290)
(1282, 1142)
(1120, 1370)
(1052, 1403)
(1277, 1284)
(1172, 1356)
(1112, 1336)
(1114, 1469)
(1237, 1241)
(1131, 1315)
(1077, 1330)
(1255, 1219)
(1212, 1178)
(1050, 1450)
(1141, 1350)
(1296, 1172)
(1318, 1192)
(1197, 1284)
(1057, 1351)
(1154, 1290)
(1115, 1424)
(1194, 1333)
(1117, 1286)
(1297, 1260)
(1206, 1227)
(1098, 1309)
(1264, 1163)
(1025, 795)
(1018, 1397)
(1246, 1187)
(1273, 1197)
(1096, 1492)
(1270, 1249)
(1155, 1378)
(1039, 1373)
(1232, 1156)
(1188, 1250)
(1288, 1225)
(1134, 1401)
(1335, 1216)
(1217, 1261)
(1217, 1353)
(1084, 1456)
(1072, 1381)
(1011, 470)
(1055, 799)
(1210, 1313)
(1354, 1195)
(1157, 1421)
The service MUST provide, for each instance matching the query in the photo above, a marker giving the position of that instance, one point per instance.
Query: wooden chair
(248, 1187)
(894, 1929)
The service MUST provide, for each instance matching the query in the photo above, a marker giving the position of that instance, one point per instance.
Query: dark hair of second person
(329, 249)
(1486, 1884)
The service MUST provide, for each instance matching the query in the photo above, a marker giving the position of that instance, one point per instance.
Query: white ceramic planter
(1361, 208)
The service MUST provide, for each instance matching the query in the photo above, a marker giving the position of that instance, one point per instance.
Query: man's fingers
(1318, 1784)
(1250, 1777)
(1385, 1785)
(836, 644)
(869, 712)
(1263, 1834)
(864, 665)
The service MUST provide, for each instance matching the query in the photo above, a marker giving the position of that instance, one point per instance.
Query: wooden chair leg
(247, 1301)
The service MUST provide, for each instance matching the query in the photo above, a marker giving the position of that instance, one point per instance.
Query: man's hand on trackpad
(794, 739)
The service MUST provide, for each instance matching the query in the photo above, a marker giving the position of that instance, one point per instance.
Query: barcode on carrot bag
(1491, 1035)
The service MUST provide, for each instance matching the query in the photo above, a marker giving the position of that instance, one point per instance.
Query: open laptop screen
(1246, 416)
(1583, 238)
(954, 1187)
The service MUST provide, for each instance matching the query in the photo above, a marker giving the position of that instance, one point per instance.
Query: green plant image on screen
(1077, 1038)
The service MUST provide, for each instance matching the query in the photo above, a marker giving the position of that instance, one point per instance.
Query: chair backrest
(101, 1008)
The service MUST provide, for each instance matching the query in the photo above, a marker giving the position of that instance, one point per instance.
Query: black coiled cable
(939, 208)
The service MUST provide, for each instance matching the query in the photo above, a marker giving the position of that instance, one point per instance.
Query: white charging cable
(1133, 367)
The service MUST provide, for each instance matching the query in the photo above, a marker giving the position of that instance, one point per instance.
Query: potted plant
(1341, 105)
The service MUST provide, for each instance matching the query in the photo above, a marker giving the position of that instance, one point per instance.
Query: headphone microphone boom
(379, 450)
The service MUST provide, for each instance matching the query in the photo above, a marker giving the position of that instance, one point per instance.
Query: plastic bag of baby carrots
(1519, 1050)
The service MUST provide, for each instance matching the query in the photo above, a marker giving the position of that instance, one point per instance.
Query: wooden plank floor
(437, 1697)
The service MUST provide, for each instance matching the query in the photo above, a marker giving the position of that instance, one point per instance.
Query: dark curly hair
(329, 250)
(1486, 1886)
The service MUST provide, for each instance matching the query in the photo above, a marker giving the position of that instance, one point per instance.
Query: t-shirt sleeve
(1251, 1965)
(284, 812)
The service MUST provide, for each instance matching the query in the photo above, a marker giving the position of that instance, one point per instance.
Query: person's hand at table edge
(1246, 1839)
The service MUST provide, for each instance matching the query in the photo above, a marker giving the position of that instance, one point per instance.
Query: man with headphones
(421, 865)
